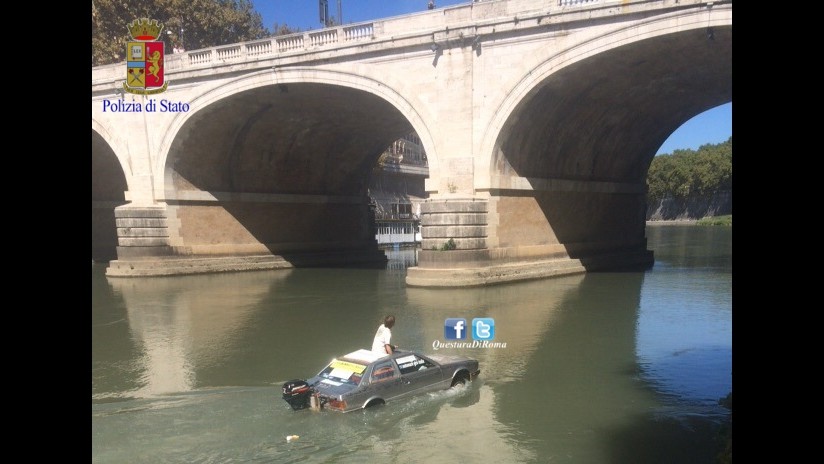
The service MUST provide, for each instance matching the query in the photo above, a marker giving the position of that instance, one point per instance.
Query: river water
(619, 367)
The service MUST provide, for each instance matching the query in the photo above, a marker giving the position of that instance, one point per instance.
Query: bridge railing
(272, 46)
(578, 2)
(361, 33)
(303, 41)
(289, 43)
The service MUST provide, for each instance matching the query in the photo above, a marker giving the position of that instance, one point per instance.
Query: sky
(304, 14)
(712, 126)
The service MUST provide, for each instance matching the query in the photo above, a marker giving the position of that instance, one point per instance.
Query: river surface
(607, 368)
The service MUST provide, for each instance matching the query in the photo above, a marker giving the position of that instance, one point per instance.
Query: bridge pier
(513, 236)
(195, 238)
(142, 241)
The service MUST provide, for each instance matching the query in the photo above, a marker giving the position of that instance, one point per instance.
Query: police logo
(145, 58)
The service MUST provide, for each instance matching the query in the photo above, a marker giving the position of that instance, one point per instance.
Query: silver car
(362, 378)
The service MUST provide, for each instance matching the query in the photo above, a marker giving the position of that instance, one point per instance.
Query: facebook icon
(454, 329)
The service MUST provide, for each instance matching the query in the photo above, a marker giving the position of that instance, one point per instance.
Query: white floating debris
(292, 438)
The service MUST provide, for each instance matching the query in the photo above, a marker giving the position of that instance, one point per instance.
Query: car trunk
(329, 391)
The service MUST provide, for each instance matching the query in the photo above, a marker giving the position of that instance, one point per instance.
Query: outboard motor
(296, 393)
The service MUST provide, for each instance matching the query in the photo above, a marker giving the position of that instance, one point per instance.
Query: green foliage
(284, 29)
(204, 23)
(716, 221)
(383, 160)
(687, 172)
(449, 245)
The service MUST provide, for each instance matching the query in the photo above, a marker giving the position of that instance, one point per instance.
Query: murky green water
(598, 368)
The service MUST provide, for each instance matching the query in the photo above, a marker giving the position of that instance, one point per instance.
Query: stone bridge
(539, 119)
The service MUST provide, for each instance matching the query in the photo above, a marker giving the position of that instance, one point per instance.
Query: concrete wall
(238, 228)
(567, 224)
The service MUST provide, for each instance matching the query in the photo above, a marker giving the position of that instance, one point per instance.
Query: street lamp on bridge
(325, 19)
(177, 45)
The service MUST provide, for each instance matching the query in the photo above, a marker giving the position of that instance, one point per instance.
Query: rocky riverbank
(672, 222)
(690, 208)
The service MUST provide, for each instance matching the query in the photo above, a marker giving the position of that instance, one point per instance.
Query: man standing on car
(381, 343)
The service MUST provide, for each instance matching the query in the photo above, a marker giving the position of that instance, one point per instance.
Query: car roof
(367, 357)
(364, 356)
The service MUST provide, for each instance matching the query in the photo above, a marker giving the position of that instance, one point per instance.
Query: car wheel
(460, 379)
(374, 403)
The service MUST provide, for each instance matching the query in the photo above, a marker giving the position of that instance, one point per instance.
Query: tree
(191, 24)
(688, 172)
(284, 29)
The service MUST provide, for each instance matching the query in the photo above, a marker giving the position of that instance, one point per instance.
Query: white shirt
(382, 337)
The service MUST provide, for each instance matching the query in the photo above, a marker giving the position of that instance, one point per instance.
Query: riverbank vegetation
(686, 173)
(725, 220)
(187, 25)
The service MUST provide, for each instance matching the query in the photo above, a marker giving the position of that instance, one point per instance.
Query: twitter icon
(483, 328)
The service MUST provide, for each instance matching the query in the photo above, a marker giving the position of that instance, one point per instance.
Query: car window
(383, 371)
(412, 363)
(340, 372)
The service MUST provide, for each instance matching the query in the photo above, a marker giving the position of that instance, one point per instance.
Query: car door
(418, 374)
(384, 381)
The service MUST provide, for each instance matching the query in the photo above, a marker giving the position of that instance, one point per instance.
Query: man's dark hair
(389, 321)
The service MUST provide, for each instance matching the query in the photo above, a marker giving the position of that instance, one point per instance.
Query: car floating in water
(362, 379)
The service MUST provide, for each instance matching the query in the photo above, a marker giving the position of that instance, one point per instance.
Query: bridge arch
(115, 143)
(664, 71)
(109, 184)
(280, 77)
(564, 158)
(294, 146)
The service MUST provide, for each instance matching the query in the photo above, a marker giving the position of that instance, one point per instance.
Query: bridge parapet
(579, 2)
(254, 50)
(471, 18)
(272, 46)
